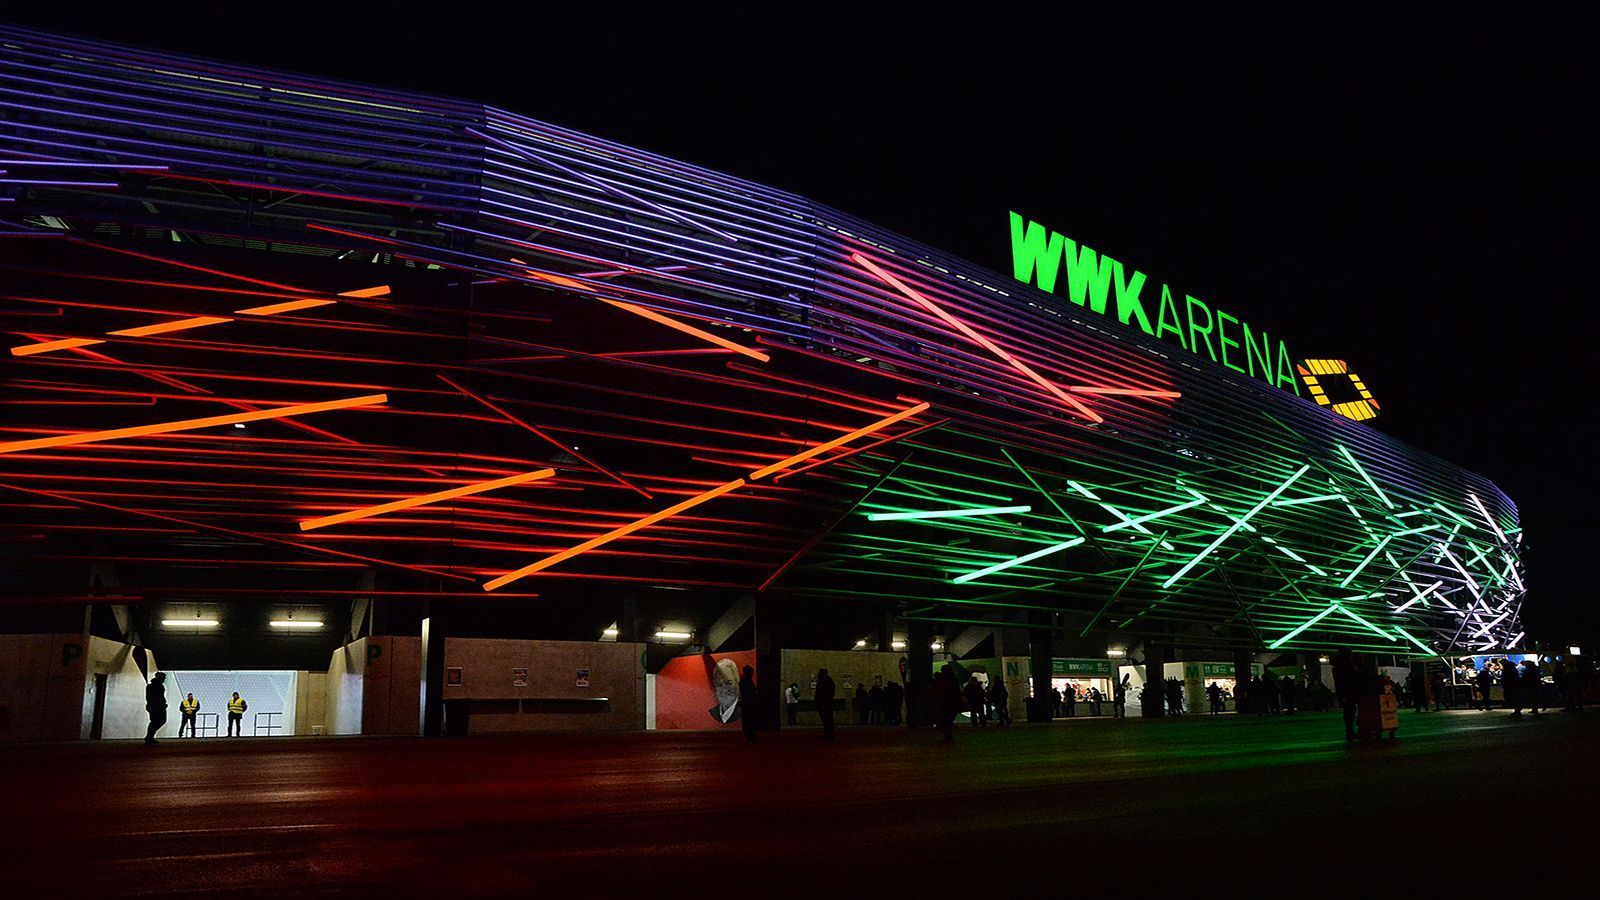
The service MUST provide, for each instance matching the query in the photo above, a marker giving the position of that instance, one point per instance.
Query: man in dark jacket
(1511, 685)
(748, 703)
(155, 703)
(1485, 681)
(892, 695)
(1530, 681)
(823, 696)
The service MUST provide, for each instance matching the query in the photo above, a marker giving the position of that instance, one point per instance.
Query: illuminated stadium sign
(1047, 259)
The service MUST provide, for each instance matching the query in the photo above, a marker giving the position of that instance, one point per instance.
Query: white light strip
(674, 635)
(295, 623)
(189, 623)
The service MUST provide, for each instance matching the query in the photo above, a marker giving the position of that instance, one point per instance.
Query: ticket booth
(1080, 678)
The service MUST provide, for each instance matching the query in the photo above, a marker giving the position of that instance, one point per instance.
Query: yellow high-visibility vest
(190, 707)
(236, 706)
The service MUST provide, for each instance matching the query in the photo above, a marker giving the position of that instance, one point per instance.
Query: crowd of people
(987, 700)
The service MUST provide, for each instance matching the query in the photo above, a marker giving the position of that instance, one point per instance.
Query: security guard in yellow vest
(236, 708)
(188, 707)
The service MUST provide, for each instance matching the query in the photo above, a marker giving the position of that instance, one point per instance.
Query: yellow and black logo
(1362, 408)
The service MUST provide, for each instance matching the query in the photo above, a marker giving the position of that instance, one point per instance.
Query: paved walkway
(1116, 808)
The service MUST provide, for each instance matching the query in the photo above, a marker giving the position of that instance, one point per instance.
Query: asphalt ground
(1130, 808)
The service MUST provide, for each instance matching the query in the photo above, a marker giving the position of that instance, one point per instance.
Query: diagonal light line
(1026, 557)
(977, 338)
(688, 329)
(836, 442)
(90, 437)
(947, 513)
(1303, 626)
(1165, 545)
(1370, 483)
(1235, 526)
(613, 534)
(1140, 520)
(1471, 584)
(425, 499)
(1299, 500)
(1375, 629)
(1488, 518)
(171, 325)
(1408, 636)
(1381, 544)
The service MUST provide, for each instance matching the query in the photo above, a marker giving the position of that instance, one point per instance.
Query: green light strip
(1370, 483)
(1375, 629)
(1408, 636)
(1027, 557)
(948, 513)
(1116, 512)
(1299, 500)
(1140, 520)
(1303, 626)
(1381, 544)
(1235, 527)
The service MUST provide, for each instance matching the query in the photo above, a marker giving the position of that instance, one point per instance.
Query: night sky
(1410, 194)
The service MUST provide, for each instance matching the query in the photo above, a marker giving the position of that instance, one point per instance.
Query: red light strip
(977, 338)
(425, 499)
(652, 315)
(550, 440)
(90, 437)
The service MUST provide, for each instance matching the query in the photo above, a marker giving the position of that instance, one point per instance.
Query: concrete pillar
(1242, 666)
(1154, 699)
(1040, 656)
(886, 631)
(433, 635)
(919, 673)
(769, 660)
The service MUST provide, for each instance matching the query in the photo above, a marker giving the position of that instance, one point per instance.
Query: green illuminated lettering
(1264, 353)
(1128, 297)
(1034, 247)
(1166, 322)
(1087, 273)
(1225, 341)
(1194, 342)
(1286, 370)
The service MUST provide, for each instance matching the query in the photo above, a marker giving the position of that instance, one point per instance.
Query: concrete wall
(42, 686)
(124, 715)
(310, 702)
(373, 686)
(551, 699)
(848, 668)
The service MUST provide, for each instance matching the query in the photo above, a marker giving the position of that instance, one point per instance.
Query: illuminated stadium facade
(279, 340)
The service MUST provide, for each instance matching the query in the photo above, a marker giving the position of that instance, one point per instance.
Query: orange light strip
(977, 338)
(271, 309)
(688, 329)
(425, 499)
(844, 439)
(694, 501)
(90, 437)
(612, 535)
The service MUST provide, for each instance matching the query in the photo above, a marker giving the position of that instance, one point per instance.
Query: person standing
(1530, 681)
(1214, 694)
(1071, 696)
(1511, 685)
(892, 695)
(875, 702)
(1000, 699)
(1291, 693)
(189, 707)
(1436, 686)
(155, 703)
(860, 703)
(1055, 702)
(823, 697)
(1485, 680)
(748, 703)
(974, 695)
(1119, 698)
(236, 708)
(791, 703)
(1094, 701)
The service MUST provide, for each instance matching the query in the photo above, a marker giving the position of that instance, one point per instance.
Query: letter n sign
(1337, 371)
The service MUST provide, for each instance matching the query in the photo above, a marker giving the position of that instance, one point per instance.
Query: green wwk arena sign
(1096, 281)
